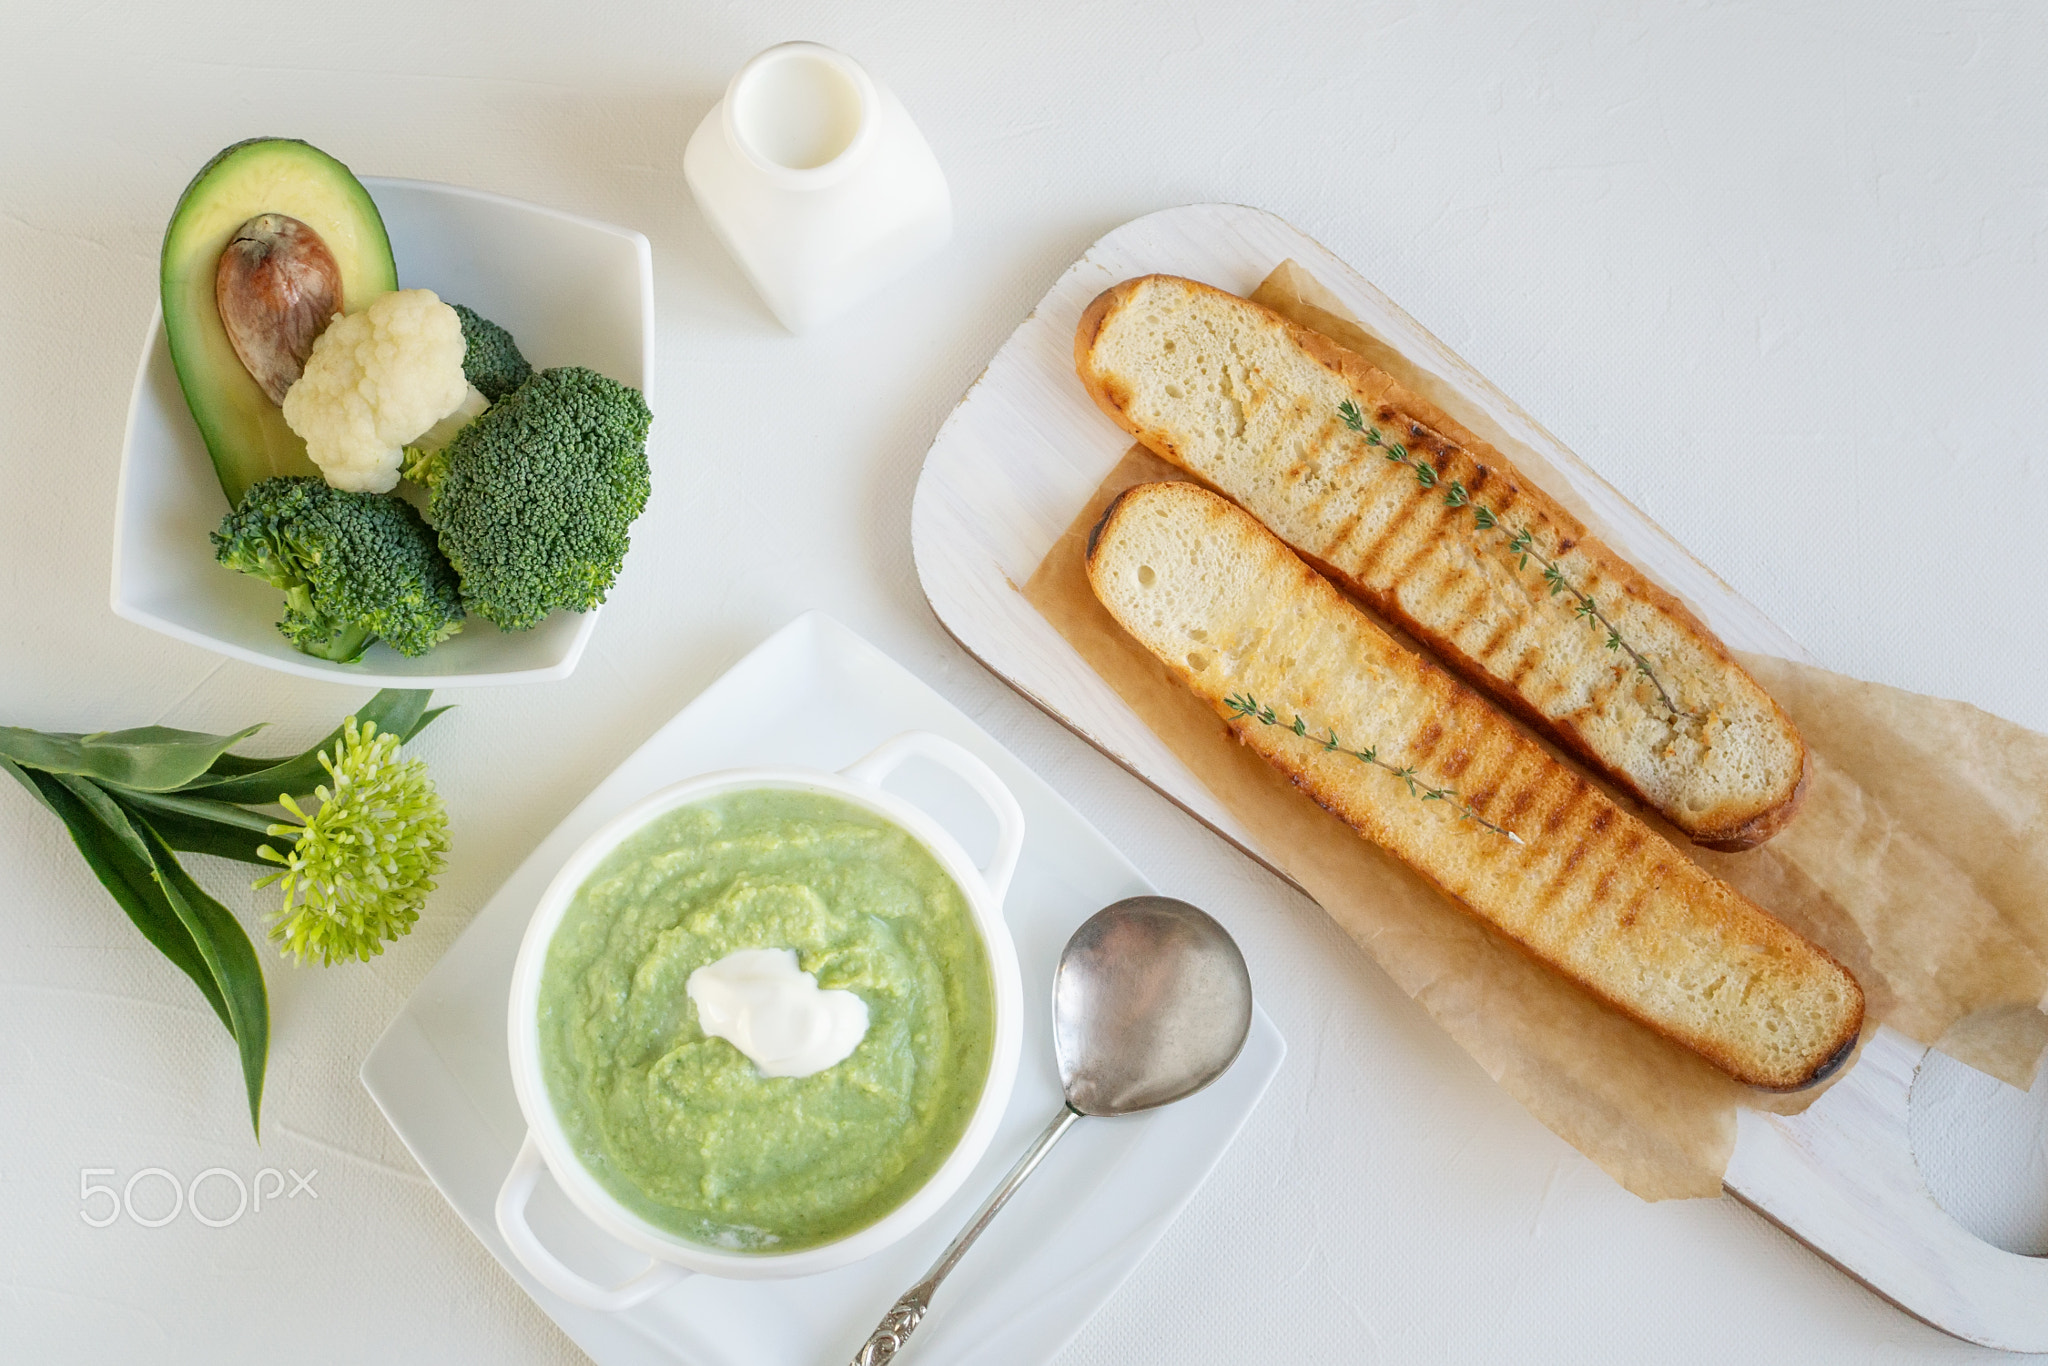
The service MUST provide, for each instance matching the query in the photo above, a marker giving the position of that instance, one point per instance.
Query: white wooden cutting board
(1019, 457)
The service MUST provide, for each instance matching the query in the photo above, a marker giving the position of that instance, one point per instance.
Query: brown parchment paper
(1919, 860)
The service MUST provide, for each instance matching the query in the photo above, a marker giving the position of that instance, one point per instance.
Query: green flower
(365, 860)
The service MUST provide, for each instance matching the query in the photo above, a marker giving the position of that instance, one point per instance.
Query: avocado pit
(277, 286)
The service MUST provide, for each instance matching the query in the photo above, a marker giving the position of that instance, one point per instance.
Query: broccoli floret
(491, 362)
(533, 499)
(354, 567)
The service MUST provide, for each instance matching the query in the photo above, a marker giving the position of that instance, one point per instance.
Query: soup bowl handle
(923, 744)
(546, 1267)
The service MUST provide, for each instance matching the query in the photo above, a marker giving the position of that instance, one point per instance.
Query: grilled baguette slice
(1583, 885)
(1248, 402)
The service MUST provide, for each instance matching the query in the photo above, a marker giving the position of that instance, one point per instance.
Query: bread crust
(1434, 429)
(1574, 812)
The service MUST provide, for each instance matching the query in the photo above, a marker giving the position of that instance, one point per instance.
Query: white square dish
(573, 291)
(816, 695)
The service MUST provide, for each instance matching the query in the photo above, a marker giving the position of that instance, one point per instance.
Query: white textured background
(1777, 270)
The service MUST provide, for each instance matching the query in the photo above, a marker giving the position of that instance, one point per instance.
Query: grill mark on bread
(1454, 764)
(1525, 664)
(1489, 767)
(1524, 798)
(1335, 484)
(1582, 863)
(1390, 535)
(1575, 797)
(1426, 741)
(1472, 607)
(1496, 638)
(1291, 637)
(1561, 816)
(1422, 544)
(1583, 921)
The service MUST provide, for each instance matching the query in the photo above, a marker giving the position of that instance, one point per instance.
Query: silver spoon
(1150, 1004)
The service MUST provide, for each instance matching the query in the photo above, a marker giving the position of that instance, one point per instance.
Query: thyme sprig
(1246, 705)
(1521, 543)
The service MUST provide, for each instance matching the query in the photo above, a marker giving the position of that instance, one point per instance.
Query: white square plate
(571, 290)
(818, 695)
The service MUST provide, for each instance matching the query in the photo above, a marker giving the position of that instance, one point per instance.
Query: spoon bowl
(1150, 1004)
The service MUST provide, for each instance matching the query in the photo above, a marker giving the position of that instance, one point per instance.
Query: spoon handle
(894, 1331)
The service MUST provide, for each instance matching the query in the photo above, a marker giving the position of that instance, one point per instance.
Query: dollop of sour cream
(763, 1004)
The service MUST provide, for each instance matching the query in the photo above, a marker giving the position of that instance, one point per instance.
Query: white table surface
(1776, 270)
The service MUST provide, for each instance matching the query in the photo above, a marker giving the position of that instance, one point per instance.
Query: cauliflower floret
(375, 381)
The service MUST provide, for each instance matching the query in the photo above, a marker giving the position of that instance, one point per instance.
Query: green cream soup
(679, 1125)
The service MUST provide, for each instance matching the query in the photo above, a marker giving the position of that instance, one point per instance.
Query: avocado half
(245, 432)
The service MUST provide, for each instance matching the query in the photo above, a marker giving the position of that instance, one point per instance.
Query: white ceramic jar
(817, 181)
(547, 1147)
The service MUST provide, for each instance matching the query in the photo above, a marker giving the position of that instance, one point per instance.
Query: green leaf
(399, 711)
(403, 710)
(234, 766)
(187, 926)
(200, 826)
(209, 809)
(231, 958)
(104, 809)
(131, 880)
(149, 758)
(1482, 517)
(21, 776)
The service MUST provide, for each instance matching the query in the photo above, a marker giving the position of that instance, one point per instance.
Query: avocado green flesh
(678, 1124)
(245, 432)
